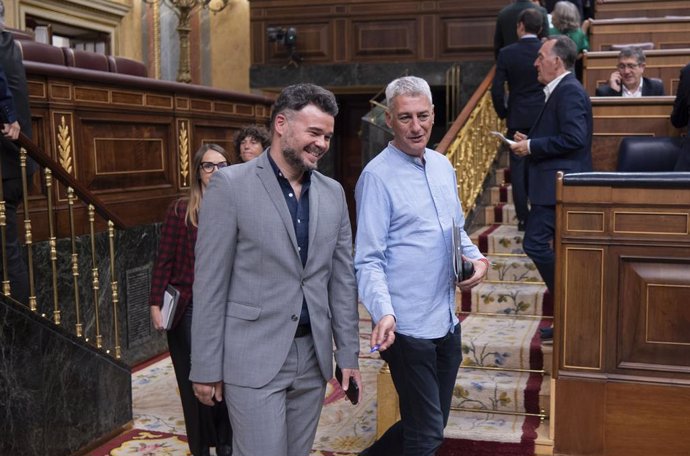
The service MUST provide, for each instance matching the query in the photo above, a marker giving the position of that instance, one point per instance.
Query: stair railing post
(95, 285)
(114, 287)
(52, 241)
(28, 236)
(79, 327)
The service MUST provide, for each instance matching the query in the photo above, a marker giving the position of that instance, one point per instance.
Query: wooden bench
(616, 117)
(621, 345)
(613, 9)
(664, 64)
(665, 33)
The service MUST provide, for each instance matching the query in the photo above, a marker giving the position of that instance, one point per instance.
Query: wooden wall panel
(655, 313)
(376, 30)
(583, 308)
(646, 420)
(384, 39)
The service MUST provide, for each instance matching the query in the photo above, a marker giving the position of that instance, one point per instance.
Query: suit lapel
(268, 179)
(543, 109)
(313, 212)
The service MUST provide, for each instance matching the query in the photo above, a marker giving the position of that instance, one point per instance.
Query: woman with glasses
(206, 426)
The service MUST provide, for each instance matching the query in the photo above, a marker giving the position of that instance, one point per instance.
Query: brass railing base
(542, 413)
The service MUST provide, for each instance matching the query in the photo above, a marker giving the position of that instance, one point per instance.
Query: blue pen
(375, 348)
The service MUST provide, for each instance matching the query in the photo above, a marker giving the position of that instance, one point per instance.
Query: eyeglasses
(209, 167)
(629, 66)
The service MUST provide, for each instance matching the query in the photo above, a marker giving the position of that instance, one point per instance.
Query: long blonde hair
(195, 191)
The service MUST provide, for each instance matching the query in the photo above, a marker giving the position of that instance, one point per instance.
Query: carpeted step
(503, 391)
(498, 238)
(501, 194)
(507, 299)
(485, 434)
(512, 268)
(505, 342)
(500, 213)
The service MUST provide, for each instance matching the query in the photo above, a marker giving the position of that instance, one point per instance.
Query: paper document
(503, 139)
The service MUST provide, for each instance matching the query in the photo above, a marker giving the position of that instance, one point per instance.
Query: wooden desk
(665, 33)
(664, 64)
(616, 118)
(641, 8)
(622, 322)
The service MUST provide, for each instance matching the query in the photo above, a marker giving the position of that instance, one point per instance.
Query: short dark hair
(532, 19)
(565, 49)
(257, 132)
(633, 51)
(297, 96)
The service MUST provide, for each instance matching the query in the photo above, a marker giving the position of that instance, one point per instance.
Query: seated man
(627, 80)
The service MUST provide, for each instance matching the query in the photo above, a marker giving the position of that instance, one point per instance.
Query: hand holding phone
(615, 81)
(352, 392)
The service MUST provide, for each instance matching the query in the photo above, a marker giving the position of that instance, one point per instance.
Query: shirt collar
(637, 93)
(551, 86)
(528, 35)
(419, 161)
(306, 177)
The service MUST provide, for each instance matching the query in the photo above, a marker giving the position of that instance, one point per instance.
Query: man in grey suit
(274, 284)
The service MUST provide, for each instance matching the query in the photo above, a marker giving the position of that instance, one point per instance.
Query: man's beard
(292, 157)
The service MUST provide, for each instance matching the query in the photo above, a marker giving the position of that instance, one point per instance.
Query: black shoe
(224, 450)
(546, 333)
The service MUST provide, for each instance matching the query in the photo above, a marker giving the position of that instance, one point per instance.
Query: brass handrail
(468, 145)
(54, 175)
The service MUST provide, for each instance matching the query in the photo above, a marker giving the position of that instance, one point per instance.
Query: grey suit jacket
(249, 279)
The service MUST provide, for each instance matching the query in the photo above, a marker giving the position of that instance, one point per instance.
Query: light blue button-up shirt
(403, 247)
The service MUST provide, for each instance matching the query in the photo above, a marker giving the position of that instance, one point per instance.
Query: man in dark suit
(506, 21)
(560, 140)
(680, 117)
(11, 63)
(627, 80)
(524, 100)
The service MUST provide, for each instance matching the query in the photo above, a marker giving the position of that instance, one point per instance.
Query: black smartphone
(352, 392)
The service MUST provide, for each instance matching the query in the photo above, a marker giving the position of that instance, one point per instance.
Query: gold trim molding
(183, 148)
(64, 140)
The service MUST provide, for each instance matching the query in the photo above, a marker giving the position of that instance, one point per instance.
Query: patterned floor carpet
(158, 430)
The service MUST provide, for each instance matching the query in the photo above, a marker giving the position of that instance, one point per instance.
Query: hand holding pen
(383, 334)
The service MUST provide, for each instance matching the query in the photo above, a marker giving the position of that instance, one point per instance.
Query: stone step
(512, 268)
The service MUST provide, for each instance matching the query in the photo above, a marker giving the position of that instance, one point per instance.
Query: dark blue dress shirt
(299, 211)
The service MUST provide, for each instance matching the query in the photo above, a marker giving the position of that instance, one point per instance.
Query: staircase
(501, 400)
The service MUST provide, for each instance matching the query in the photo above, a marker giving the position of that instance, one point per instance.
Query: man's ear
(389, 118)
(280, 123)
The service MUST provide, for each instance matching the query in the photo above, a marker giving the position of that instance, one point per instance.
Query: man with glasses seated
(627, 80)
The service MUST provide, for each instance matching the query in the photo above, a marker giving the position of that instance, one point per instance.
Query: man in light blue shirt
(406, 203)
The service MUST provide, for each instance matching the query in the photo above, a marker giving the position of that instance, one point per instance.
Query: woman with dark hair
(251, 141)
(206, 426)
